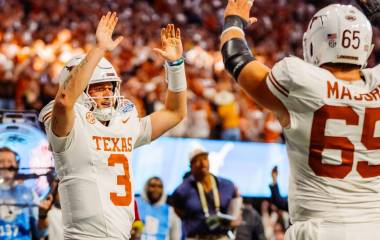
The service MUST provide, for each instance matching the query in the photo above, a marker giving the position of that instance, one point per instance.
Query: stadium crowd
(37, 37)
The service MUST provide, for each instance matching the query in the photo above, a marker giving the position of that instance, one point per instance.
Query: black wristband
(236, 54)
(234, 21)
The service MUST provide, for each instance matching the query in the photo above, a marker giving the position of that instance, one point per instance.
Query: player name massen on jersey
(338, 91)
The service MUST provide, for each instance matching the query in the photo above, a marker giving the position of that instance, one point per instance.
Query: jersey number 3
(318, 142)
(123, 180)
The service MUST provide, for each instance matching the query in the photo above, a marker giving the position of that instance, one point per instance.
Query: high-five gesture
(105, 30)
(171, 43)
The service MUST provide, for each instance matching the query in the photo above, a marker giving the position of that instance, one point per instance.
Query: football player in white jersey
(329, 106)
(92, 132)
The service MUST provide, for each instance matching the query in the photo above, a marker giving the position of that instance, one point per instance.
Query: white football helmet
(104, 72)
(338, 34)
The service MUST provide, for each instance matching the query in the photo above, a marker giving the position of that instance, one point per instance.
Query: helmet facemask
(103, 72)
(104, 113)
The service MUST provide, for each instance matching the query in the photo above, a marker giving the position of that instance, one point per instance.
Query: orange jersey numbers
(318, 142)
(121, 180)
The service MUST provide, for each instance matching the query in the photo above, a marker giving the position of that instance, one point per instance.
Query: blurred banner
(247, 164)
(21, 133)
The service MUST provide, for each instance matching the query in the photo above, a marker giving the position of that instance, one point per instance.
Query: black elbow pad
(236, 54)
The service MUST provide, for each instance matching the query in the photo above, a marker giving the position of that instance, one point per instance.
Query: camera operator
(206, 204)
(21, 215)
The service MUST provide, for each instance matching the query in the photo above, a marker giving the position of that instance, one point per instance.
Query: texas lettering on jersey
(96, 188)
(113, 144)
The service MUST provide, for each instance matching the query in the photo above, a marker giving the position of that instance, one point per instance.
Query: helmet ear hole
(311, 49)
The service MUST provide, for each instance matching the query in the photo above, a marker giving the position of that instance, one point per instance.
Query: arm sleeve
(279, 81)
(145, 132)
(56, 144)
(290, 82)
(175, 225)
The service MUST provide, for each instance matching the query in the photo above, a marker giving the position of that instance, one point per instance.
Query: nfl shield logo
(332, 39)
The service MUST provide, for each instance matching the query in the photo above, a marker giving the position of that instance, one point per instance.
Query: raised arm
(242, 64)
(175, 108)
(76, 82)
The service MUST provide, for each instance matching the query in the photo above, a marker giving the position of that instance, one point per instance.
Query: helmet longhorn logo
(90, 117)
(69, 68)
(315, 18)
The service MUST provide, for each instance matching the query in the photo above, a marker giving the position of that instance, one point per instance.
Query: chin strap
(104, 114)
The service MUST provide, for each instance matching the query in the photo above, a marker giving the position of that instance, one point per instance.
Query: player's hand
(45, 205)
(371, 9)
(240, 8)
(105, 30)
(274, 175)
(171, 43)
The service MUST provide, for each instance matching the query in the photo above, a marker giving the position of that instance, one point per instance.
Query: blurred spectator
(279, 232)
(7, 91)
(272, 129)
(269, 219)
(205, 203)
(37, 37)
(54, 217)
(229, 113)
(137, 226)
(277, 200)
(251, 226)
(159, 219)
(275, 221)
(21, 215)
(199, 119)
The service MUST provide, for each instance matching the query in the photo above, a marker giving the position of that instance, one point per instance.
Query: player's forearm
(177, 86)
(79, 77)
(175, 108)
(176, 104)
(42, 224)
(68, 93)
(238, 58)
(173, 113)
(230, 34)
(251, 76)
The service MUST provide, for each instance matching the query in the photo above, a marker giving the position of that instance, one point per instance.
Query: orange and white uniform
(94, 168)
(333, 144)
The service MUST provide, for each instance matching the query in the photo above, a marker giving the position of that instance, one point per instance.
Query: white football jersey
(94, 168)
(333, 142)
